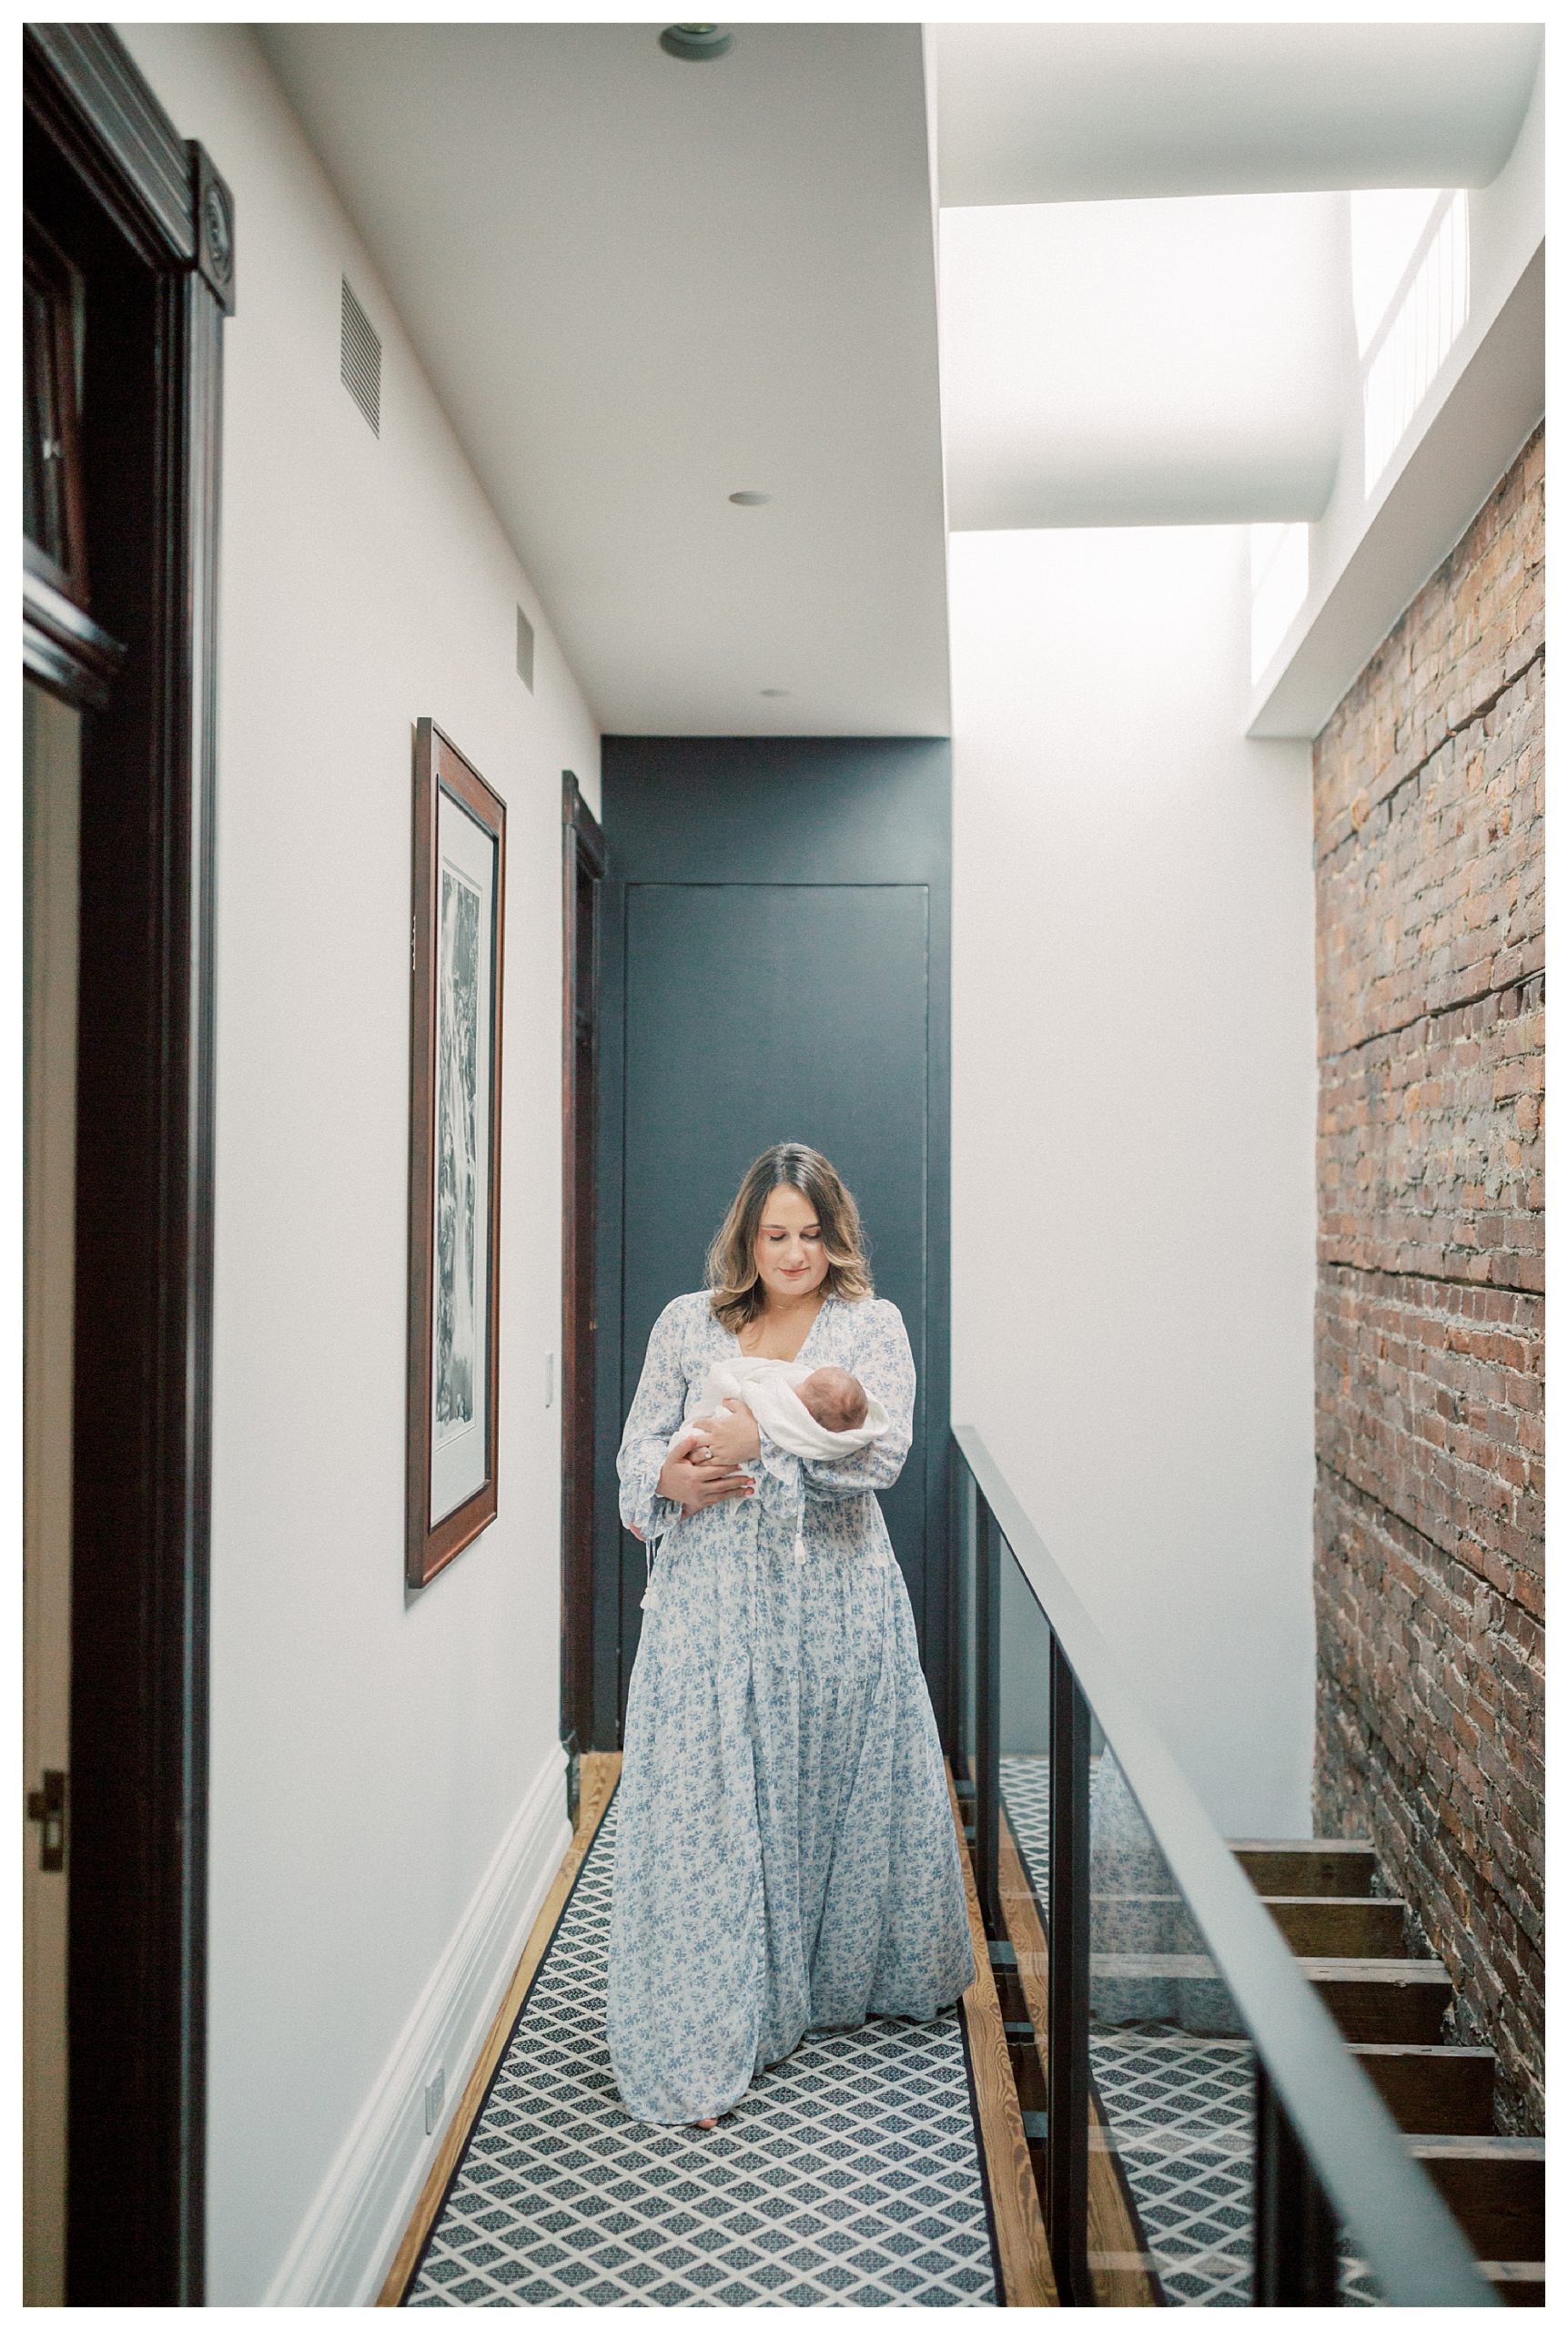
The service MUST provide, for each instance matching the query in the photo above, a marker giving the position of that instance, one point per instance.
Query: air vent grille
(361, 360)
(525, 651)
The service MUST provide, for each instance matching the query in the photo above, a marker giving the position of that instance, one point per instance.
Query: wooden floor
(1120, 2269)
(1020, 2228)
(1025, 2271)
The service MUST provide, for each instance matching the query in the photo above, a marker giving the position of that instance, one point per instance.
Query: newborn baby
(834, 1397)
(806, 1412)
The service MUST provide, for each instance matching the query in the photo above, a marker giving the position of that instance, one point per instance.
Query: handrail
(1401, 2226)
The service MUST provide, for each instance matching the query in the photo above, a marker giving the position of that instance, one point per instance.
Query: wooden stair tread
(1362, 1901)
(1373, 2048)
(1346, 1845)
(1430, 1973)
(1495, 2187)
(1298, 1865)
(1190, 1966)
(1518, 2282)
(1340, 1925)
(1382, 1997)
(1431, 2090)
(1390, 1999)
(1144, 1965)
(1531, 2150)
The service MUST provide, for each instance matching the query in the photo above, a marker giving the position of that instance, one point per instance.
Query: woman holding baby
(786, 1857)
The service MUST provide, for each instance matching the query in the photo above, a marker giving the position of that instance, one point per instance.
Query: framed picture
(454, 1154)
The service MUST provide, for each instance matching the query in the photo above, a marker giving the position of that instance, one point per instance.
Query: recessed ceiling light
(694, 44)
(749, 501)
(773, 691)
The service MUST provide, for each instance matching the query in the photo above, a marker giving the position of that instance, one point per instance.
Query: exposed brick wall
(1428, 789)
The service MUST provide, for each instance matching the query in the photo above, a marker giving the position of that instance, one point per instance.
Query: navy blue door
(800, 1013)
(752, 1011)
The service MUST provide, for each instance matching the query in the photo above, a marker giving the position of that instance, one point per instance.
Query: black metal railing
(1185, 2047)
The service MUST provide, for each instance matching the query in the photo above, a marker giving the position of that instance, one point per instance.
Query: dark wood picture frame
(440, 768)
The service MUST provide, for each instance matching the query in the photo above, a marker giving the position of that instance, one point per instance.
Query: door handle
(46, 1805)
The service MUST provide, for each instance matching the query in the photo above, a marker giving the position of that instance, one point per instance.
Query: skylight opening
(1387, 225)
(1278, 557)
(1425, 311)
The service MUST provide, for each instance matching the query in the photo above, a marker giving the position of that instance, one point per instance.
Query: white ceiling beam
(1479, 414)
(1109, 112)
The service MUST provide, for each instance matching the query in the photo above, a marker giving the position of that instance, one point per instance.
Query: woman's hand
(733, 1437)
(692, 1485)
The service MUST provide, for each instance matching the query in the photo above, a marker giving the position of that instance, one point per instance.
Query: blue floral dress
(786, 1857)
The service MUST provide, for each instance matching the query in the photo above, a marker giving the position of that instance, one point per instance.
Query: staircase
(1392, 2008)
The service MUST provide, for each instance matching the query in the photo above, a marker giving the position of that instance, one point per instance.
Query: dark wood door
(776, 970)
(119, 620)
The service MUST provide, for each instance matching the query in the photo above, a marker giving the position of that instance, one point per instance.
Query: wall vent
(361, 359)
(525, 651)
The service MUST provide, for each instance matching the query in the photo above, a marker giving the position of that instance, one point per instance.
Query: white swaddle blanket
(767, 1388)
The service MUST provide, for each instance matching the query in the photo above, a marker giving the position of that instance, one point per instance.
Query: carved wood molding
(212, 207)
(84, 81)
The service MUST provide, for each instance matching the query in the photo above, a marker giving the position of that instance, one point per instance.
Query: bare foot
(705, 2123)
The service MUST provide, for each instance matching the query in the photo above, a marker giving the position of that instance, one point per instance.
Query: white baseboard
(342, 2252)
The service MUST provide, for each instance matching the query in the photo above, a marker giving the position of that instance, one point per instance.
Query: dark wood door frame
(582, 862)
(151, 224)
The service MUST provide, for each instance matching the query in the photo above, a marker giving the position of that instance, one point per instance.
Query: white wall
(373, 1755)
(1134, 1079)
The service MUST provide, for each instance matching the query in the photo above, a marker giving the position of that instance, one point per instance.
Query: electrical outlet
(435, 2096)
(550, 1379)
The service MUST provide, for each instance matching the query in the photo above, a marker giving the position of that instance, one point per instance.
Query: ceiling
(639, 285)
(1143, 363)
(1145, 272)
(1084, 113)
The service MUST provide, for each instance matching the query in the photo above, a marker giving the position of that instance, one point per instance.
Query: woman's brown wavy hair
(735, 1291)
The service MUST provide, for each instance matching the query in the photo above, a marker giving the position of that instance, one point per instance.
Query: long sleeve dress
(786, 1857)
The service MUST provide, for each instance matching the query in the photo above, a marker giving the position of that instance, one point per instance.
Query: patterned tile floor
(1179, 2108)
(1178, 2103)
(850, 2175)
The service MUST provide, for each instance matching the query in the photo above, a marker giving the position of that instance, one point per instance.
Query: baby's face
(833, 1396)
